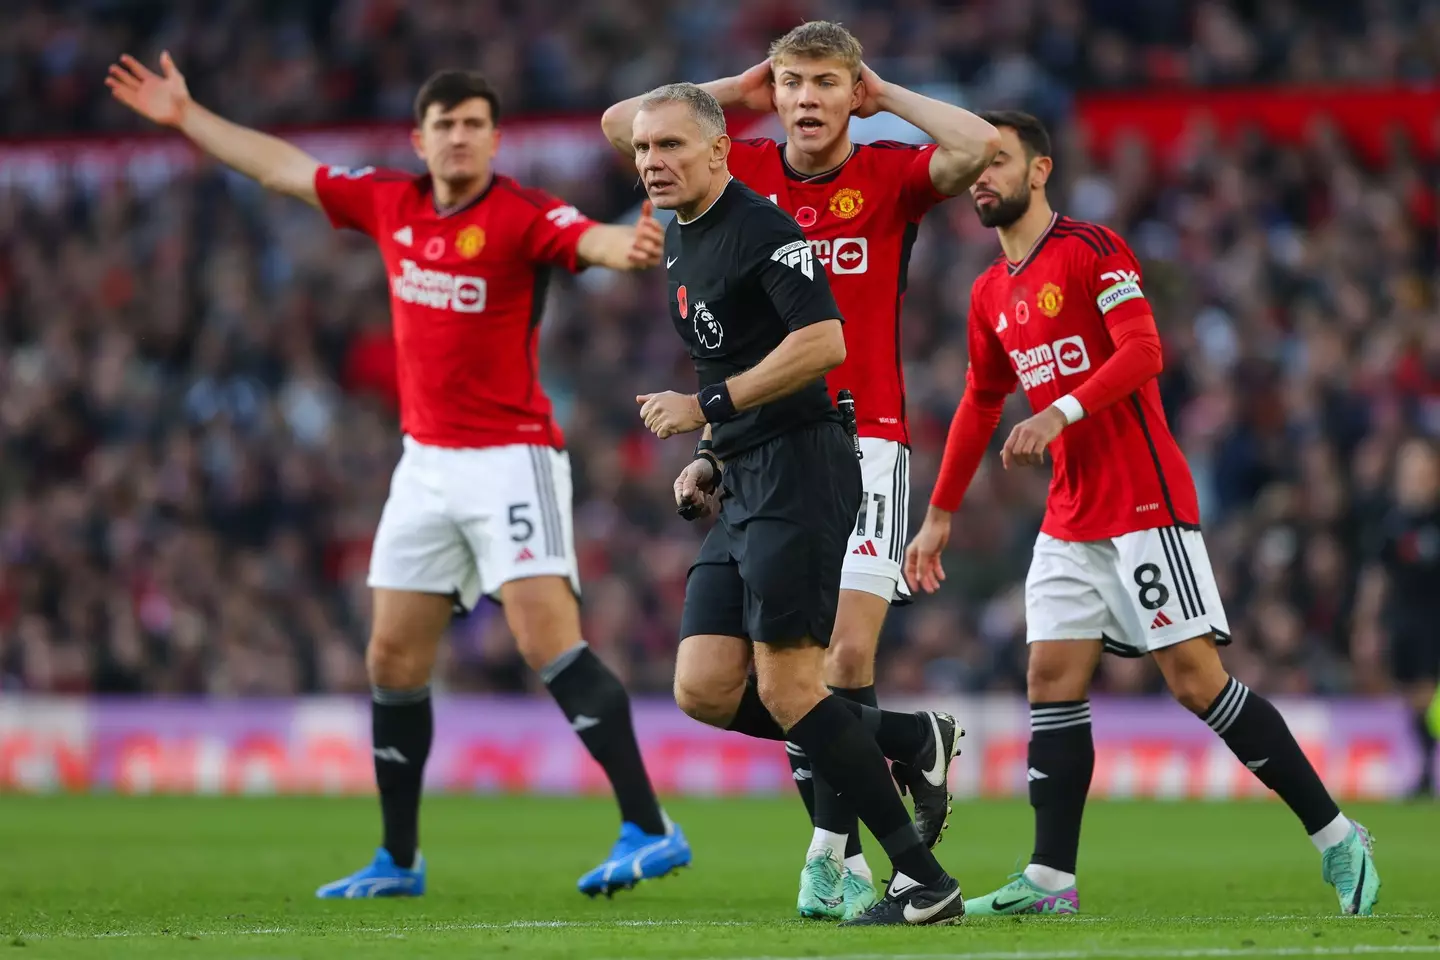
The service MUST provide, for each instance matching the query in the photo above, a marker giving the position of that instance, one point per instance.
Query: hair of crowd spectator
(197, 421)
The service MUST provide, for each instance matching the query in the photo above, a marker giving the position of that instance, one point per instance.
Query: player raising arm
(479, 503)
(1120, 564)
(858, 206)
(285, 168)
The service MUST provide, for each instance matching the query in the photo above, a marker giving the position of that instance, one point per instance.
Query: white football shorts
(462, 522)
(1136, 593)
(877, 544)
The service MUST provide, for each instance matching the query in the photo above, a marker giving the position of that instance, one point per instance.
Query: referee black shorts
(769, 571)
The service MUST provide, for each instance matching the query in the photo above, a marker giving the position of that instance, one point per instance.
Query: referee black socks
(598, 708)
(402, 725)
(1061, 763)
(832, 812)
(848, 758)
(901, 736)
(1256, 733)
(753, 719)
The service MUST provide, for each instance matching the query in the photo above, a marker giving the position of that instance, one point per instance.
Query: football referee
(756, 313)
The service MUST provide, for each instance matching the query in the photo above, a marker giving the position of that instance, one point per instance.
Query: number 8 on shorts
(1137, 592)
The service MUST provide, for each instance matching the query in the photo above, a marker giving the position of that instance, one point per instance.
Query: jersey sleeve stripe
(1072, 232)
(539, 199)
(1104, 245)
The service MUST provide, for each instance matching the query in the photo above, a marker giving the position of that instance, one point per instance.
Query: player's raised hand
(923, 570)
(161, 97)
(874, 90)
(666, 414)
(1025, 447)
(648, 245)
(755, 88)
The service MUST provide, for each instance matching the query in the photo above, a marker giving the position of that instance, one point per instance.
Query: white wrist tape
(1070, 407)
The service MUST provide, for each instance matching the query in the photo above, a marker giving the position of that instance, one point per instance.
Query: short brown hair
(1032, 133)
(450, 88)
(819, 40)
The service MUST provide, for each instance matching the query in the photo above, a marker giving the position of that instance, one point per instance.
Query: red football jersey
(467, 289)
(861, 220)
(1044, 323)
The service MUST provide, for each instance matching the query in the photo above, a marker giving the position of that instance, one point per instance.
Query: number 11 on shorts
(860, 524)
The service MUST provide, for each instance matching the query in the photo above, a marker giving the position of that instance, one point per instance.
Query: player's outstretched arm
(754, 89)
(964, 144)
(164, 98)
(622, 247)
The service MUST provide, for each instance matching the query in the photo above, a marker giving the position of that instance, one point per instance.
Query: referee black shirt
(742, 278)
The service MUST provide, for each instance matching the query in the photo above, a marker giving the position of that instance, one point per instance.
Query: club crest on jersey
(469, 242)
(682, 299)
(707, 329)
(806, 217)
(846, 202)
(1050, 299)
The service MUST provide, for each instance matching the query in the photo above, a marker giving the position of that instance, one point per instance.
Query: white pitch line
(460, 926)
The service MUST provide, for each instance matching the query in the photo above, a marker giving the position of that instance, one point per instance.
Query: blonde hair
(819, 40)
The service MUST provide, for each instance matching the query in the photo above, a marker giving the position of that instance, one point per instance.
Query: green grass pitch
(121, 877)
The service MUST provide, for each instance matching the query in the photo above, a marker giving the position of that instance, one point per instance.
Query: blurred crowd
(305, 61)
(197, 421)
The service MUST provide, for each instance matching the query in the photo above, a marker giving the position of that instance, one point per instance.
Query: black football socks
(831, 812)
(1061, 763)
(847, 757)
(1256, 733)
(901, 736)
(598, 708)
(753, 719)
(402, 725)
(803, 776)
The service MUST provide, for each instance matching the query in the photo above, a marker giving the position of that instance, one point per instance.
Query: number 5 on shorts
(521, 528)
(1153, 593)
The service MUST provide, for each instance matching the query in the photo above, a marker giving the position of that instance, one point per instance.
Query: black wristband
(714, 465)
(715, 402)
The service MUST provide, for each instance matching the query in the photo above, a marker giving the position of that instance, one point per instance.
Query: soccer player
(859, 207)
(480, 502)
(763, 329)
(1119, 564)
